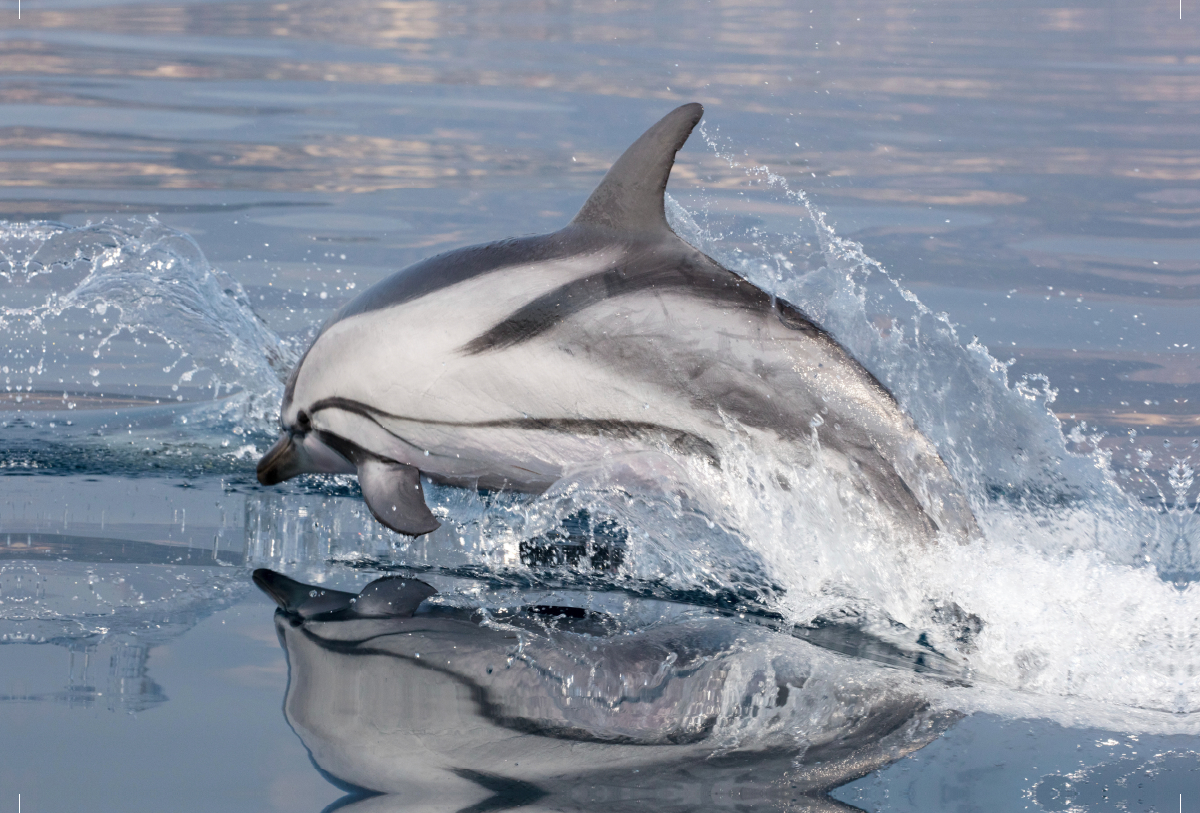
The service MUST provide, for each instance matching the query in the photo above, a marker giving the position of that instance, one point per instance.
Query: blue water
(995, 209)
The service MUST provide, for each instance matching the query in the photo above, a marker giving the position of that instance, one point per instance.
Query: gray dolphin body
(510, 364)
(446, 706)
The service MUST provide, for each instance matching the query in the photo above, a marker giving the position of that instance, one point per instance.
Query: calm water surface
(995, 207)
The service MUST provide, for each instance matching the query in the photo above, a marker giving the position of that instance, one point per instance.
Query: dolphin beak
(284, 460)
(299, 454)
(288, 593)
(307, 600)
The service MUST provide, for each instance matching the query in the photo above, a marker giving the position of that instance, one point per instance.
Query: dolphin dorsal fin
(630, 197)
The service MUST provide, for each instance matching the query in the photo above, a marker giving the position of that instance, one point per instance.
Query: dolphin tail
(630, 198)
(942, 499)
(394, 495)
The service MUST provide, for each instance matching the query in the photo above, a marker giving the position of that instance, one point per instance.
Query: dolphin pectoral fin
(392, 597)
(394, 495)
(282, 461)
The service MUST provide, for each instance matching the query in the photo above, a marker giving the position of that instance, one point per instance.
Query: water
(995, 212)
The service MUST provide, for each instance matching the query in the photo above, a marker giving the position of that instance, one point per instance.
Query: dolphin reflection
(453, 709)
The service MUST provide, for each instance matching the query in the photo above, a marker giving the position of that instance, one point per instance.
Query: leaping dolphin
(509, 364)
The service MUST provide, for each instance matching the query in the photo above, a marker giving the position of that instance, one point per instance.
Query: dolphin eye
(303, 421)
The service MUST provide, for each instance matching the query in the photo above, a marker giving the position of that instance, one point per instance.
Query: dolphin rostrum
(510, 364)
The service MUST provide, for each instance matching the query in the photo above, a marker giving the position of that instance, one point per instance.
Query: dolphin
(436, 703)
(511, 364)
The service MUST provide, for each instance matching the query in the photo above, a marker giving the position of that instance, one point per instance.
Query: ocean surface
(994, 207)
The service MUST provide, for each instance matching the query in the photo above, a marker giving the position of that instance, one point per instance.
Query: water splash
(1083, 589)
(129, 322)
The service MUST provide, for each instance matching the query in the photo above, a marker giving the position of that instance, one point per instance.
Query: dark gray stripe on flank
(678, 439)
(673, 272)
(462, 264)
